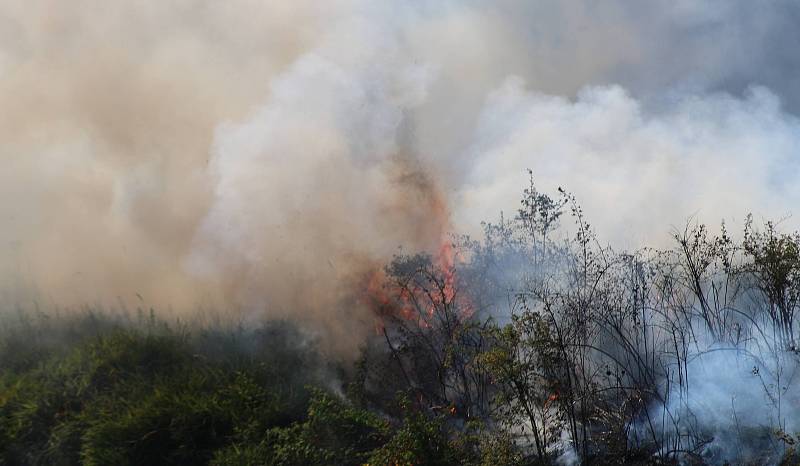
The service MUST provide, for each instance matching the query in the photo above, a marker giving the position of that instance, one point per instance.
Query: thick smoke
(108, 116)
(637, 172)
(261, 156)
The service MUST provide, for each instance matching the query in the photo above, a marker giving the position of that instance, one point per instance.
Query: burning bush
(535, 344)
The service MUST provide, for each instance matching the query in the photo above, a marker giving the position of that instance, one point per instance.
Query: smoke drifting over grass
(261, 156)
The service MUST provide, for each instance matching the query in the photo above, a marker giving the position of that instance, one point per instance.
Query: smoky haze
(262, 156)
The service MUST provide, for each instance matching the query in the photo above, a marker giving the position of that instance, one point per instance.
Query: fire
(550, 399)
(437, 289)
(390, 300)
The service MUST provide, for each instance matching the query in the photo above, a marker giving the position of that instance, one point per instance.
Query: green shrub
(128, 395)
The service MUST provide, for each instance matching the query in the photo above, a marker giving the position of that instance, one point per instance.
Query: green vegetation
(99, 391)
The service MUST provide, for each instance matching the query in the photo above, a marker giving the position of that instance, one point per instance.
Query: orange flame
(553, 397)
(389, 300)
(432, 215)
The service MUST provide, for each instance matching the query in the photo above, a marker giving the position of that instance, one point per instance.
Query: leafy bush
(129, 395)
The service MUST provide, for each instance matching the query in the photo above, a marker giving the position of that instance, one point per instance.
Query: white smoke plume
(640, 172)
